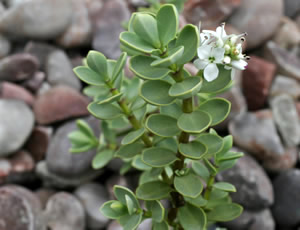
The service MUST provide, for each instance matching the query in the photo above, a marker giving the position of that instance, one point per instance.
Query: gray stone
(256, 132)
(64, 212)
(285, 85)
(291, 7)
(286, 208)
(253, 185)
(59, 70)
(53, 180)
(16, 124)
(34, 83)
(79, 32)
(287, 62)
(107, 27)
(20, 209)
(40, 50)
(60, 161)
(250, 220)
(288, 34)
(39, 19)
(92, 196)
(18, 67)
(115, 180)
(5, 46)
(44, 194)
(139, 3)
(286, 118)
(259, 18)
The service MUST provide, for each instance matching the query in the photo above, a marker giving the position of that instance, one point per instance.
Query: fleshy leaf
(133, 136)
(105, 111)
(131, 222)
(121, 193)
(158, 157)
(113, 209)
(97, 62)
(214, 143)
(141, 66)
(225, 212)
(162, 125)
(187, 88)
(89, 76)
(217, 108)
(193, 150)
(192, 217)
(224, 186)
(167, 23)
(102, 158)
(130, 150)
(111, 99)
(195, 122)
(157, 210)
(119, 66)
(188, 185)
(154, 190)
(161, 89)
(173, 56)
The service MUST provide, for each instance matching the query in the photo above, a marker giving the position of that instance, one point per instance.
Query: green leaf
(198, 202)
(105, 111)
(200, 170)
(217, 108)
(189, 38)
(187, 88)
(98, 63)
(231, 156)
(226, 164)
(85, 128)
(227, 145)
(195, 122)
(217, 85)
(188, 185)
(133, 136)
(158, 157)
(119, 66)
(173, 55)
(168, 143)
(162, 125)
(193, 150)
(141, 66)
(172, 110)
(113, 209)
(225, 212)
(192, 217)
(102, 158)
(108, 133)
(160, 226)
(148, 176)
(125, 168)
(131, 222)
(154, 190)
(224, 186)
(214, 143)
(111, 99)
(157, 210)
(161, 89)
(145, 26)
(111, 64)
(130, 150)
(217, 194)
(139, 164)
(167, 23)
(130, 205)
(134, 42)
(121, 193)
(89, 76)
(96, 91)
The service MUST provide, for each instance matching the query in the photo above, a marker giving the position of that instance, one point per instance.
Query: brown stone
(34, 83)
(287, 62)
(209, 12)
(256, 82)
(18, 67)
(59, 103)
(12, 91)
(38, 142)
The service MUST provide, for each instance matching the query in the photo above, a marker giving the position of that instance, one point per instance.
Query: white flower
(216, 47)
(209, 57)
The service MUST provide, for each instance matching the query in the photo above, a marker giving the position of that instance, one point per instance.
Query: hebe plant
(164, 117)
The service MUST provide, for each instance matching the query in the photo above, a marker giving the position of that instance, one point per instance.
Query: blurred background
(44, 187)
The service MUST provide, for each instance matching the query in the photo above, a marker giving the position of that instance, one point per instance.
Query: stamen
(243, 39)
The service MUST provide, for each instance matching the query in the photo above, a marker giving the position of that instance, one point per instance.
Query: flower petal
(240, 64)
(204, 51)
(218, 54)
(201, 64)
(211, 72)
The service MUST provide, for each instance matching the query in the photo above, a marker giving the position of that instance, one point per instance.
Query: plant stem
(130, 116)
(209, 187)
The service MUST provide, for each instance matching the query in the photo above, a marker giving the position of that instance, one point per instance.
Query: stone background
(42, 186)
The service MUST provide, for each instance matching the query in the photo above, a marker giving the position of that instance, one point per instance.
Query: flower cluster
(216, 47)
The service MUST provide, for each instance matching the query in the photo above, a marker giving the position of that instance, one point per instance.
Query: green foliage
(159, 122)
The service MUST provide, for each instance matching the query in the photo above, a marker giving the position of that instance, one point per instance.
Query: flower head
(216, 47)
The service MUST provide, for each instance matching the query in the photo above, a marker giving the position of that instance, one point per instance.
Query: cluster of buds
(216, 47)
